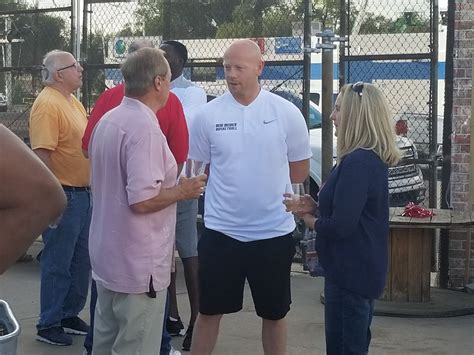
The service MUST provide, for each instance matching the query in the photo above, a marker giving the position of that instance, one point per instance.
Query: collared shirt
(131, 162)
(190, 95)
(170, 117)
(249, 148)
(57, 124)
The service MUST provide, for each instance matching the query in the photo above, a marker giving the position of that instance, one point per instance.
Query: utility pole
(327, 47)
(307, 60)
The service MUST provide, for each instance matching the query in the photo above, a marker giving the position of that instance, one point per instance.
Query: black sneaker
(54, 336)
(188, 339)
(75, 326)
(174, 326)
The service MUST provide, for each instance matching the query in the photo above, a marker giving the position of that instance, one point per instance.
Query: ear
(58, 77)
(260, 66)
(157, 83)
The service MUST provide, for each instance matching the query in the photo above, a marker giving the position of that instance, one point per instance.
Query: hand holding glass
(299, 204)
(194, 168)
(292, 195)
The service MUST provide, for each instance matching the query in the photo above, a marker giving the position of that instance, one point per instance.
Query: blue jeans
(347, 318)
(88, 341)
(65, 264)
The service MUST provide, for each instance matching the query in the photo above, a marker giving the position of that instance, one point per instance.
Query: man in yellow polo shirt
(57, 124)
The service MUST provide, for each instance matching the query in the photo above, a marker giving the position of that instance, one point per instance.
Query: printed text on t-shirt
(226, 126)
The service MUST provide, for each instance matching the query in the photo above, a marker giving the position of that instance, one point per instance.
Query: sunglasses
(358, 87)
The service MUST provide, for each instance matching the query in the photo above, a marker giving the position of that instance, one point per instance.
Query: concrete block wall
(459, 247)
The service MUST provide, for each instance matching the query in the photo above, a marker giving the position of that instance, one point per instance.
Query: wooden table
(410, 252)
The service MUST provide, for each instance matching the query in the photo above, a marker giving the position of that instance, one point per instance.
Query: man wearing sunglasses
(57, 123)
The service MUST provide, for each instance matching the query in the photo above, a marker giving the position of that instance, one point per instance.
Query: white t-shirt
(190, 95)
(248, 148)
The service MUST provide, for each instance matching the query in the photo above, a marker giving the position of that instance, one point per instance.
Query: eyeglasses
(75, 65)
(358, 87)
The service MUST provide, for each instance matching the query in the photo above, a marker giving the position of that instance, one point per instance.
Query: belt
(76, 188)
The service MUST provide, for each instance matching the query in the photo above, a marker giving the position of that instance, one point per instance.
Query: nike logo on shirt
(267, 122)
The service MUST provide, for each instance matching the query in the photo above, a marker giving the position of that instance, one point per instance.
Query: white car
(405, 180)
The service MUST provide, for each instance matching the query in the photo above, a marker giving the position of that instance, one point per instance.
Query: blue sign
(120, 47)
(287, 45)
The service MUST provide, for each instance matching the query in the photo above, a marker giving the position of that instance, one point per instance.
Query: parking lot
(240, 333)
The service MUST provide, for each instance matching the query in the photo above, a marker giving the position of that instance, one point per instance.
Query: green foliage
(176, 19)
(95, 54)
(409, 22)
(271, 21)
(327, 12)
(37, 34)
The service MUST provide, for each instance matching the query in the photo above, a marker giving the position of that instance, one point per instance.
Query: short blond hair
(365, 122)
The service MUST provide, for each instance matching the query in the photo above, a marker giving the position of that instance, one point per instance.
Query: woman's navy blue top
(352, 230)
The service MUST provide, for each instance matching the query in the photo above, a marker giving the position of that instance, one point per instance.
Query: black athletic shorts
(225, 263)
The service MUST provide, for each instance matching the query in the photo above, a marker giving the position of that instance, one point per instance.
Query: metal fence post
(327, 46)
(327, 134)
(307, 60)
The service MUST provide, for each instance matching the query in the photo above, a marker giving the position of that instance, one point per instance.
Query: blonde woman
(352, 227)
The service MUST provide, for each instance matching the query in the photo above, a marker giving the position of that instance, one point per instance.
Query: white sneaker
(173, 351)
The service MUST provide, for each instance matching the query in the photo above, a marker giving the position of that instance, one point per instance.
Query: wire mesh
(27, 35)
(206, 28)
(391, 45)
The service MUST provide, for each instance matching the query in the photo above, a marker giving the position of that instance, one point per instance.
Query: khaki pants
(128, 324)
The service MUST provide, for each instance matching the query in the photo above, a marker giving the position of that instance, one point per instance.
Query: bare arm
(44, 155)
(30, 198)
(299, 170)
(186, 189)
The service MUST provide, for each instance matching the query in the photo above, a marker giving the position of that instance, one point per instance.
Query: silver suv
(405, 181)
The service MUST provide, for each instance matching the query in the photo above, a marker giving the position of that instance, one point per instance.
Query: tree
(409, 22)
(176, 19)
(193, 19)
(275, 20)
(30, 36)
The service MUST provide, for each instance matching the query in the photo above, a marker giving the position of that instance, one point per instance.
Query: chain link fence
(207, 28)
(394, 46)
(27, 34)
(391, 44)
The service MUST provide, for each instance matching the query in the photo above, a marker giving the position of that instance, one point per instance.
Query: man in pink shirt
(134, 197)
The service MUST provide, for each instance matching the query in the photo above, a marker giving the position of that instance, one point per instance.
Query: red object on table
(416, 211)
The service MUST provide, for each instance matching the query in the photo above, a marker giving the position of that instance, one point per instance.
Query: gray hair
(51, 62)
(139, 44)
(141, 68)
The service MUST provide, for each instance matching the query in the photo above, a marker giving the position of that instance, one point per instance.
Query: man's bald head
(244, 47)
(139, 44)
(243, 64)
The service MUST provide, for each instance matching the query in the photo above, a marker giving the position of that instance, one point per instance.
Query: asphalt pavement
(240, 332)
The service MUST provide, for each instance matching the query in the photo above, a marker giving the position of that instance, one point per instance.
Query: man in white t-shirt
(255, 143)
(191, 97)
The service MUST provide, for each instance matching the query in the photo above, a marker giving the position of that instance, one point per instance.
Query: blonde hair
(365, 122)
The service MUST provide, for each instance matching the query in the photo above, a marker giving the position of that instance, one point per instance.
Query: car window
(314, 113)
